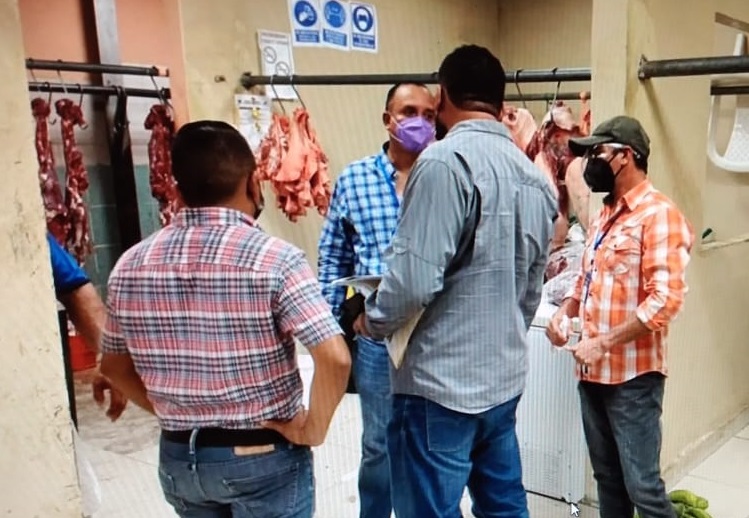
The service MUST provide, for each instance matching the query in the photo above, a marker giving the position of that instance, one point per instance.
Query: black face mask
(599, 175)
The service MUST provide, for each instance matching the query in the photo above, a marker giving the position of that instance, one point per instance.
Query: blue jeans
(623, 432)
(372, 376)
(436, 452)
(210, 482)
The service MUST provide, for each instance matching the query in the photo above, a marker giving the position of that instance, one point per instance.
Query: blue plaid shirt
(360, 224)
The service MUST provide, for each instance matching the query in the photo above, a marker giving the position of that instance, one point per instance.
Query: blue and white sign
(363, 27)
(305, 22)
(335, 24)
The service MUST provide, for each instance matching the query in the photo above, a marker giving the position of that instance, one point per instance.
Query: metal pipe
(729, 90)
(693, 66)
(72, 89)
(249, 80)
(95, 68)
(548, 97)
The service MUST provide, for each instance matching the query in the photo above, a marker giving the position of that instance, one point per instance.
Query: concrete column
(37, 466)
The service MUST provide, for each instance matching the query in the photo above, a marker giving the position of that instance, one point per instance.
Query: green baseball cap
(619, 130)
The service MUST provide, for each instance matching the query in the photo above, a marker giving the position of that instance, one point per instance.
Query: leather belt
(222, 437)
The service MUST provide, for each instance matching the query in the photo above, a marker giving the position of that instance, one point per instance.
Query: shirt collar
(212, 216)
(384, 163)
(637, 194)
(484, 125)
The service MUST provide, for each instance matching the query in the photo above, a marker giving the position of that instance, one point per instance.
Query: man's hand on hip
(297, 430)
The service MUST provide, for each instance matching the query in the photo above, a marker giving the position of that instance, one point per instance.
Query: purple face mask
(414, 133)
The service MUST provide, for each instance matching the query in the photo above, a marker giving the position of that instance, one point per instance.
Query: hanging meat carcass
(521, 124)
(163, 185)
(292, 160)
(76, 180)
(54, 203)
(549, 151)
(585, 117)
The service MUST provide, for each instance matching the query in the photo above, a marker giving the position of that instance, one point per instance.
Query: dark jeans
(623, 431)
(372, 376)
(208, 482)
(436, 452)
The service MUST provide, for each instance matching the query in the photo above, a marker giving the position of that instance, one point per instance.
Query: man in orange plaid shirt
(632, 285)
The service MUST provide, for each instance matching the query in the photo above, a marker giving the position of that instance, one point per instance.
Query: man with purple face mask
(358, 229)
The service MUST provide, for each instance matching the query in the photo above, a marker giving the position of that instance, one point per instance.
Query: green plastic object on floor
(687, 504)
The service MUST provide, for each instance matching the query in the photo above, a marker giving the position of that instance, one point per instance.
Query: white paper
(304, 16)
(336, 25)
(398, 342)
(253, 117)
(364, 284)
(364, 27)
(276, 59)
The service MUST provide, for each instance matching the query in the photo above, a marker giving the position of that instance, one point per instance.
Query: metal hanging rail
(693, 66)
(95, 68)
(729, 90)
(77, 89)
(555, 75)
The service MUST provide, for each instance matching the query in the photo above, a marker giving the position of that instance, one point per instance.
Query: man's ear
(385, 119)
(252, 186)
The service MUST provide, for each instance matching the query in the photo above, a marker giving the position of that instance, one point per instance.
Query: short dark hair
(209, 161)
(393, 89)
(474, 79)
(641, 162)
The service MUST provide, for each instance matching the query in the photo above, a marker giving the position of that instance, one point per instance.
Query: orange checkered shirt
(634, 263)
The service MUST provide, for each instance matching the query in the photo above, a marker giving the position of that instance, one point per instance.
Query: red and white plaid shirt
(634, 263)
(208, 308)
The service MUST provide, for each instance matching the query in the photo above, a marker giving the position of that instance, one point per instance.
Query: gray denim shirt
(468, 352)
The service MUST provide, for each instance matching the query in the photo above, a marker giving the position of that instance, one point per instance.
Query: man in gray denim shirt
(470, 249)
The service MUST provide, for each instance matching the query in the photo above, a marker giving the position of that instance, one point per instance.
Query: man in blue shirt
(86, 310)
(361, 221)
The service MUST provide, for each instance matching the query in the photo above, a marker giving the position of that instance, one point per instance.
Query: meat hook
(553, 102)
(161, 96)
(517, 87)
(49, 100)
(275, 93)
(80, 104)
(301, 101)
(62, 83)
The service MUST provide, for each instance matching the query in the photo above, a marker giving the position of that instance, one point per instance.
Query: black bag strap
(464, 253)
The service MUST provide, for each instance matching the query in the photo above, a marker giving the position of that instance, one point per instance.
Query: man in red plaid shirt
(202, 319)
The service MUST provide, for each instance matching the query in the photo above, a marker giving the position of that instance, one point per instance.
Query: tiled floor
(125, 455)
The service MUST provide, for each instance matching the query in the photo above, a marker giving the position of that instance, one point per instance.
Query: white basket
(736, 157)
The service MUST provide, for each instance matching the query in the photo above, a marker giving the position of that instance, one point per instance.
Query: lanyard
(596, 244)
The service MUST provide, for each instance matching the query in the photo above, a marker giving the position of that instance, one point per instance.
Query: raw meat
(578, 191)
(54, 204)
(585, 119)
(78, 241)
(163, 185)
(292, 160)
(521, 124)
(550, 152)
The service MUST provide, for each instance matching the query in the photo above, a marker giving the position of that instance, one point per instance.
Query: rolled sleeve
(432, 219)
(299, 307)
(667, 243)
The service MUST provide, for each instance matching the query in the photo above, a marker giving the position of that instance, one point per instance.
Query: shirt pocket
(622, 252)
